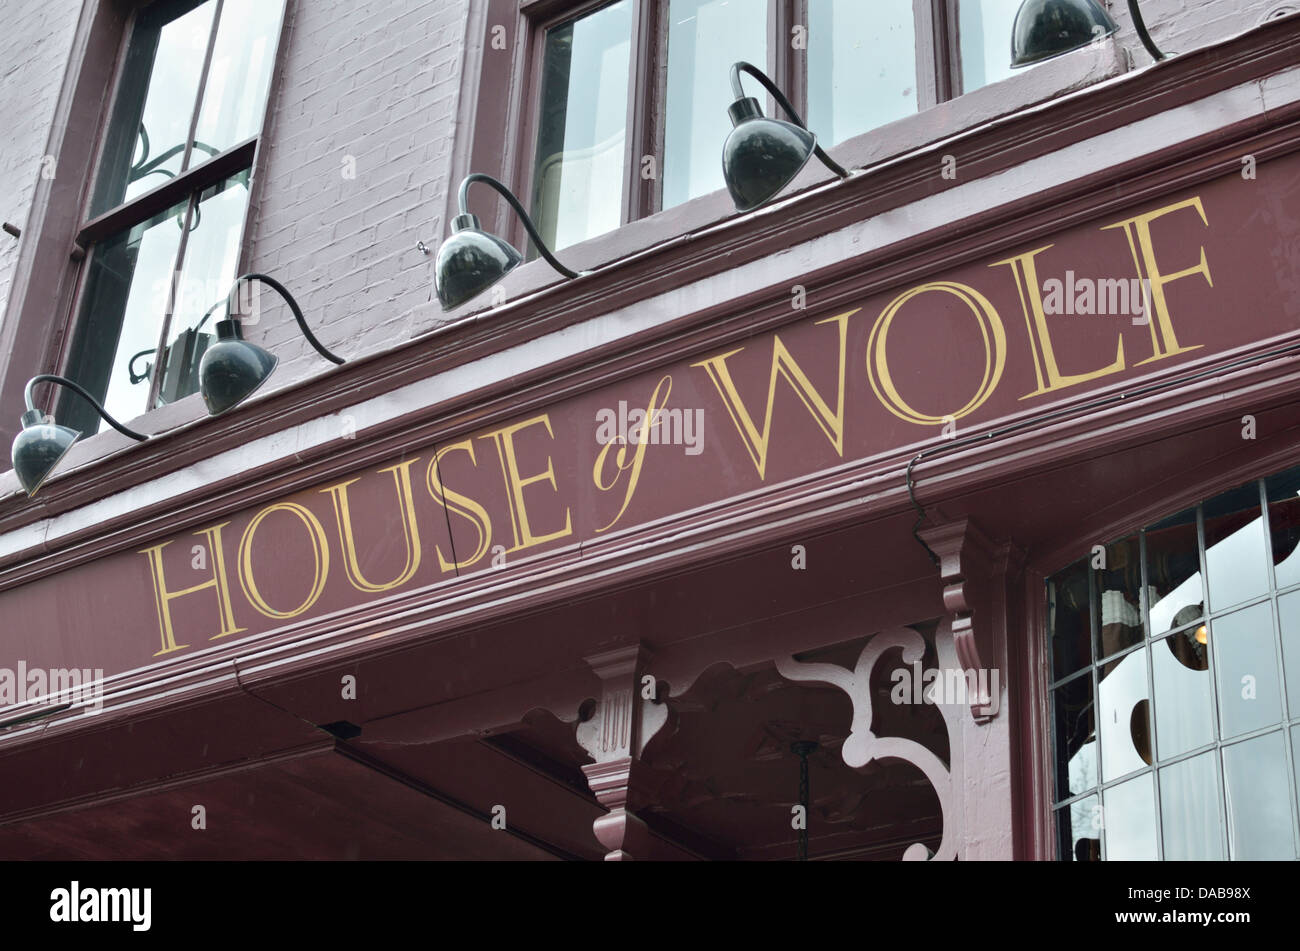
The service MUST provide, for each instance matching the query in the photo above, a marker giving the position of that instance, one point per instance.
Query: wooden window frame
(185, 186)
(938, 66)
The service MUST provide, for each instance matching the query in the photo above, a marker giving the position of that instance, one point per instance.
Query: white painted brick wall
(35, 40)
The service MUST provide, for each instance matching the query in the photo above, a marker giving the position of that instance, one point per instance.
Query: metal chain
(802, 748)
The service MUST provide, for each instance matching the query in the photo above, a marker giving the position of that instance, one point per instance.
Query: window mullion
(1288, 750)
(1149, 646)
(795, 77)
(203, 85)
(639, 192)
(160, 354)
(1208, 617)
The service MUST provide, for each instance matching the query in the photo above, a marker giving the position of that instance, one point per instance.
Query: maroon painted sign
(1202, 272)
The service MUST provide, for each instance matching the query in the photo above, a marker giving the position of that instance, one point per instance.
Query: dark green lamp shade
(232, 369)
(761, 155)
(470, 261)
(1047, 28)
(38, 448)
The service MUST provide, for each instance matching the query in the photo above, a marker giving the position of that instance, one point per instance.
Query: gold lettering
(783, 365)
(320, 555)
(651, 419)
(995, 352)
(410, 530)
(461, 505)
(1164, 342)
(1046, 369)
(163, 598)
(515, 484)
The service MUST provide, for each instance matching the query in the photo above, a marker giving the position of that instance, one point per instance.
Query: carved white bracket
(863, 746)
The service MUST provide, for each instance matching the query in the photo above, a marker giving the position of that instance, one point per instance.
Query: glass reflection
(211, 259)
(1235, 547)
(1123, 717)
(1184, 707)
(1173, 572)
(1191, 820)
(861, 66)
(984, 26)
(125, 300)
(1076, 738)
(235, 91)
(1070, 620)
(1118, 584)
(1129, 820)
(1079, 830)
(1288, 611)
(578, 175)
(1245, 661)
(1283, 492)
(1295, 756)
(704, 38)
(1259, 807)
(146, 141)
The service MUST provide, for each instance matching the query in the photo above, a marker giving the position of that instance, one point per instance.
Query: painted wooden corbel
(615, 735)
(976, 573)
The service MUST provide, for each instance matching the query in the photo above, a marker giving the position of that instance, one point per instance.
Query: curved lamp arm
(1140, 25)
(513, 202)
(288, 299)
(76, 388)
(739, 93)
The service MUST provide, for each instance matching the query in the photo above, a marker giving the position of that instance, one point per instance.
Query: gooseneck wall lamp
(40, 445)
(1047, 28)
(232, 369)
(761, 155)
(472, 260)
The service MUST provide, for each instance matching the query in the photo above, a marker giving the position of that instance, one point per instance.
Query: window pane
(1259, 799)
(1076, 738)
(1124, 715)
(211, 256)
(704, 38)
(1246, 666)
(1184, 706)
(1079, 826)
(1288, 610)
(1284, 525)
(1129, 821)
(1118, 583)
(155, 102)
(582, 127)
(1174, 573)
(985, 28)
(235, 93)
(1295, 759)
(861, 66)
(125, 300)
(1235, 547)
(1189, 809)
(1070, 620)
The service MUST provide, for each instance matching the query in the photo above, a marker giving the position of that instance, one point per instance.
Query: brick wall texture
(35, 42)
(370, 87)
